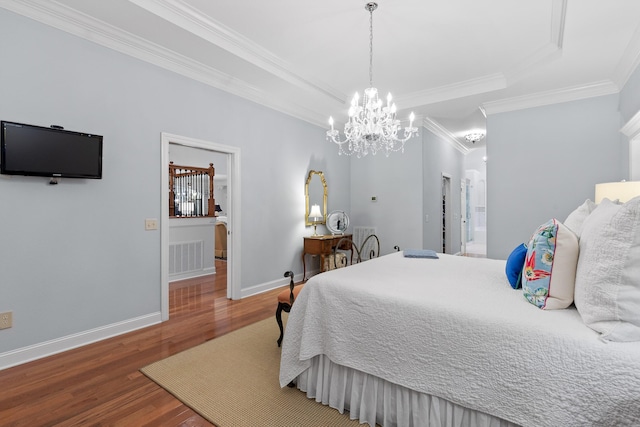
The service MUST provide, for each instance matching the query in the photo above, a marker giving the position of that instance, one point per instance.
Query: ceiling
(449, 61)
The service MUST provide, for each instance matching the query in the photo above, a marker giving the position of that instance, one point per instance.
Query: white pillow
(607, 290)
(575, 220)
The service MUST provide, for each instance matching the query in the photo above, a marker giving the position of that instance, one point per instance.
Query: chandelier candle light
(372, 127)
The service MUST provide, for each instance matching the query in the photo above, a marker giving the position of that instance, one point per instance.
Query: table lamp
(622, 191)
(315, 214)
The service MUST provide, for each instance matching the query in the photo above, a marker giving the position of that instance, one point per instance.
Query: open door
(234, 215)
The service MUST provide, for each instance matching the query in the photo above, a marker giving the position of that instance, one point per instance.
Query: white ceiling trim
(631, 129)
(437, 129)
(558, 19)
(45, 12)
(194, 21)
(551, 51)
(629, 62)
(88, 28)
(606, 87)
(543, 56)
(453, 91)
(57, 15)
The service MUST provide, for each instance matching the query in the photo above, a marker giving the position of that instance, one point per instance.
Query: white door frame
(447, 214)
(631, 130)
(463, 216)
(233, 214)
(634, 159)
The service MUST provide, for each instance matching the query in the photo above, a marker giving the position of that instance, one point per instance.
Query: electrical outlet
(6, 320)
(150, 224)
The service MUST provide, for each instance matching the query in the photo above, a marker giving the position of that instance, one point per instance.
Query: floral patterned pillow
(549, 273)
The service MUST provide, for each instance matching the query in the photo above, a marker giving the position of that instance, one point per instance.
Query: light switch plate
(150, 224)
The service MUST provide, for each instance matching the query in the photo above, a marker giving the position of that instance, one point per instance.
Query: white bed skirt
(372, 400)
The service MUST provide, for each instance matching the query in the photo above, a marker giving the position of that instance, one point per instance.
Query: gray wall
(75, 256)
(543, 162)
(407, 187)
(396, 182)
(439, 158)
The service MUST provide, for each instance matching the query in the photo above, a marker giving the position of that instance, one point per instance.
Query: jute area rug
(232, 381)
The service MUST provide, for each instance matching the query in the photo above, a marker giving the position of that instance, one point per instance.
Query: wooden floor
(100, 384)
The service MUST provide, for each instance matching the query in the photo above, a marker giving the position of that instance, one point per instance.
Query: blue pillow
(515, 264)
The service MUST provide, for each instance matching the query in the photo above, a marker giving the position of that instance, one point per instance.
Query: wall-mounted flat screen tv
(52, 152)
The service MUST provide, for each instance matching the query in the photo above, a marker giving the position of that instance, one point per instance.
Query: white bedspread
(453, 327)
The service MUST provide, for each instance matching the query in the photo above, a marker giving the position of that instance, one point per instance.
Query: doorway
(233, 214)
(465, 234)
(446, 214)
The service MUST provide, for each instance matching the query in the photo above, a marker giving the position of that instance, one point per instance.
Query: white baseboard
(192, 274)
(48, 348)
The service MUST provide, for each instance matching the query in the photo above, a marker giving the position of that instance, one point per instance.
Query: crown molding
(456, 90)
(630, 60)
(545, 55)
(558, 19)
(73, 22)
(195, 22)
(575, 93)
(631, 129)
(438, 130)
(59, 16)
(550, 52)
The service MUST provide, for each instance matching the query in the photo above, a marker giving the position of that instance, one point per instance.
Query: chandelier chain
(371, 46)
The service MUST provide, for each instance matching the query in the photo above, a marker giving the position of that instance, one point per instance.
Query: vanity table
(321, 245)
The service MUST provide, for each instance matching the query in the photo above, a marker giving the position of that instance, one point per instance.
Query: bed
(400, 341)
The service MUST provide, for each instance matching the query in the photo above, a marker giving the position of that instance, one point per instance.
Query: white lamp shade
(315, 212)
(622, 191)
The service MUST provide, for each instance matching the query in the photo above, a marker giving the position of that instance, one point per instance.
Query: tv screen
(53, 152)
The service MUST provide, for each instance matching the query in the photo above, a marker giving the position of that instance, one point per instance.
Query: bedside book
(420, 253)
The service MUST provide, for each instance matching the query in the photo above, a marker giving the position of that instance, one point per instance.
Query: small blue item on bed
(420, 253)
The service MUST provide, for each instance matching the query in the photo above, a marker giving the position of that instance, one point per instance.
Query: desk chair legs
(283, 306)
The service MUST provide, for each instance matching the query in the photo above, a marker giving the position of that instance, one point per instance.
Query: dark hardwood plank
(100, 384)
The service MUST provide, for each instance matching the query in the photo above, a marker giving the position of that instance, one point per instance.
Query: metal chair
(285, 301)
(369, 249)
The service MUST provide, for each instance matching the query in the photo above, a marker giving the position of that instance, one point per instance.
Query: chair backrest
(370, 248)
(291, 285)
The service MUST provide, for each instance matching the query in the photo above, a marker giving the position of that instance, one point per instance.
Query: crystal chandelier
(474, 137)
(372, 126)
